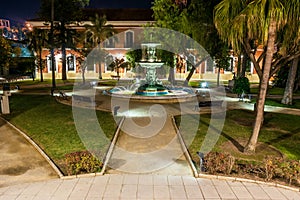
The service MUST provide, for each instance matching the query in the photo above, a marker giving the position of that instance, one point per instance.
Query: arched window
(109, 43)
(49, 63)
(128, 39)
(71, 63)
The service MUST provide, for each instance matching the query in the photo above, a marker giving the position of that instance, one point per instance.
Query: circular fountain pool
(167, 94)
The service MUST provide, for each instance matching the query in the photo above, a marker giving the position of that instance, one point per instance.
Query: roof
(120, 14)
(116, 14)
(118, 17)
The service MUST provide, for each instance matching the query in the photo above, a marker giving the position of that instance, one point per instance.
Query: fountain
(152, 86)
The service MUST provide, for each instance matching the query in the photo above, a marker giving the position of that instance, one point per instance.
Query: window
(70, 63)
(109, 43)
(49, 62)
(90, 64)
(129, 39)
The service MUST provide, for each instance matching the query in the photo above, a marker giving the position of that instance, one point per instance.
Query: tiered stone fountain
(152, 86)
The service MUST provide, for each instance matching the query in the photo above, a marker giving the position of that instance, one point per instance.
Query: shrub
(287, 170)
(82, 162)
(272, 168)
(241, 85)
(254, 168)
(215, 162)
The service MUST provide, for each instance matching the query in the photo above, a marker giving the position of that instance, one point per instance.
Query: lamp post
(52, 47)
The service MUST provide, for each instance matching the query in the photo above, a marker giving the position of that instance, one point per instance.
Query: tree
(98, 32)
(37, 39)
(66, 12)
(82, 61)
(290, 44)
(287, 98)
(5, 55)
(195, 20)
(252, 22)
(119, 63)
(222, 61)
(168, 58)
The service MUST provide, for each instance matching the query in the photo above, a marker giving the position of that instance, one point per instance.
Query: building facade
(128, 24)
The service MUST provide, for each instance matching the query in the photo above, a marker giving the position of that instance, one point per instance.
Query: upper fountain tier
(149, 52)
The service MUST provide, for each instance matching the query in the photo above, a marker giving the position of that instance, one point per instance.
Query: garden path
(151, 149)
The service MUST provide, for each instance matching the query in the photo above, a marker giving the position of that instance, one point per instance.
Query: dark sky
(20, 10)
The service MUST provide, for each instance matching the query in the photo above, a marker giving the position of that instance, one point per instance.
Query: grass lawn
(51, 125)
(279, 130)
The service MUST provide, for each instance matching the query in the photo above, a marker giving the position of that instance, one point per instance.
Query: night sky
(20, 10)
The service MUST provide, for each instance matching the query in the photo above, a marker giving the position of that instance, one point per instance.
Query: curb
(111, 147)
(184, 149)
(228, 178)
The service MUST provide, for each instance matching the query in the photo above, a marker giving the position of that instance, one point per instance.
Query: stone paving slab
(119, 186)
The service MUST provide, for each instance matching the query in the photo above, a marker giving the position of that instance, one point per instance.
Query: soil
(262, 150)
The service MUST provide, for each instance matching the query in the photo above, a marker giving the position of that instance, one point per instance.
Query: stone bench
(218, 103)
(63, 95)
(80, 98)
(115, 77)
(245, 97)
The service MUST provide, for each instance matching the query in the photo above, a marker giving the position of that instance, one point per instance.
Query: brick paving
(150, 186)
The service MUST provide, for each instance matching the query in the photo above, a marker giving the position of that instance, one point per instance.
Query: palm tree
(239, 23)
(98, 32)
(5, 55)
(117, 64)
(287, 98)
(37, 40)
(291, 40)
(66, 12)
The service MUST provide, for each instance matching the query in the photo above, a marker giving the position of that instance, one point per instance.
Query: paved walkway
(150, 146)
(20, 162)
(125, 186)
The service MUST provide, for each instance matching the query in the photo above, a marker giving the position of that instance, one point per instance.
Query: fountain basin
(175, 95)
(152, 90)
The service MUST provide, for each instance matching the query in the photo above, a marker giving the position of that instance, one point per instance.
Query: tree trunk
(244, 65)
(53, 68)
(83, 76)
(100, 71)
(251, 145)
(64, 63)
(288, 92)
(100, 68)
(218, 76)
(297, 86)
(41, 66)
(186, 82)
(118, 73)
(188, 78)
(239, 66)
(171, 77)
